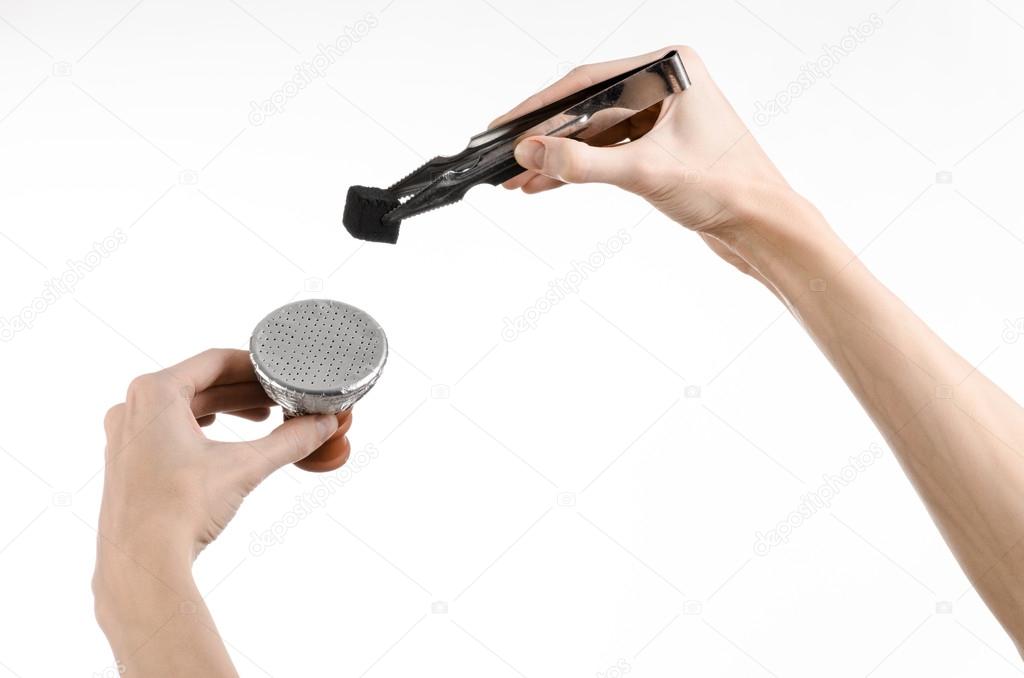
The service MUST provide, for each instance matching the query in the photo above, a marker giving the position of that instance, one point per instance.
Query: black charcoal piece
(365, 208)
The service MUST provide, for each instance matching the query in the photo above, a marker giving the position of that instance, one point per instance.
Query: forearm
(154, 616)
(958, 437)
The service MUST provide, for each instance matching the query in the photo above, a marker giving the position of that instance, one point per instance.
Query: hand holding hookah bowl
(319, 356)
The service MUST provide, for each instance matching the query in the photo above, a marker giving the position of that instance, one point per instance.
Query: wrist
(156, 621)
(784, 237)
(138, 580)
(132, 605)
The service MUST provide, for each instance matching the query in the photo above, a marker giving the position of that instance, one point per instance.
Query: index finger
(214, 367)
(577, 79)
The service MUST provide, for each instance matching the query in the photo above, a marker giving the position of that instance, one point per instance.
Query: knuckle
(218, 352)
(148, 385)
(112, 419)
(209, 353)
(294, 439)
(581, 76)
(570, 167)
(532, 103)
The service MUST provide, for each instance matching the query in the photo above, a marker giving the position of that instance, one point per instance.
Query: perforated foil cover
(318, 356)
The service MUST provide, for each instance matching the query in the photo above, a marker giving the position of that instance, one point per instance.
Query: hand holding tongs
(375, 214)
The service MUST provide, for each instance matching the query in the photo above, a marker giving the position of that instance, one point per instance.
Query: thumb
(296, 439)
(574, 162)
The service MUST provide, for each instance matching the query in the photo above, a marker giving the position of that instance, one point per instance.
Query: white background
(135, 117)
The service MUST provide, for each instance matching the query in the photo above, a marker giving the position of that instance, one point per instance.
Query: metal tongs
(489, 157)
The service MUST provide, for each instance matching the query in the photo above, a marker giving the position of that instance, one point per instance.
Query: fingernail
(326, 424)
(530, 154)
